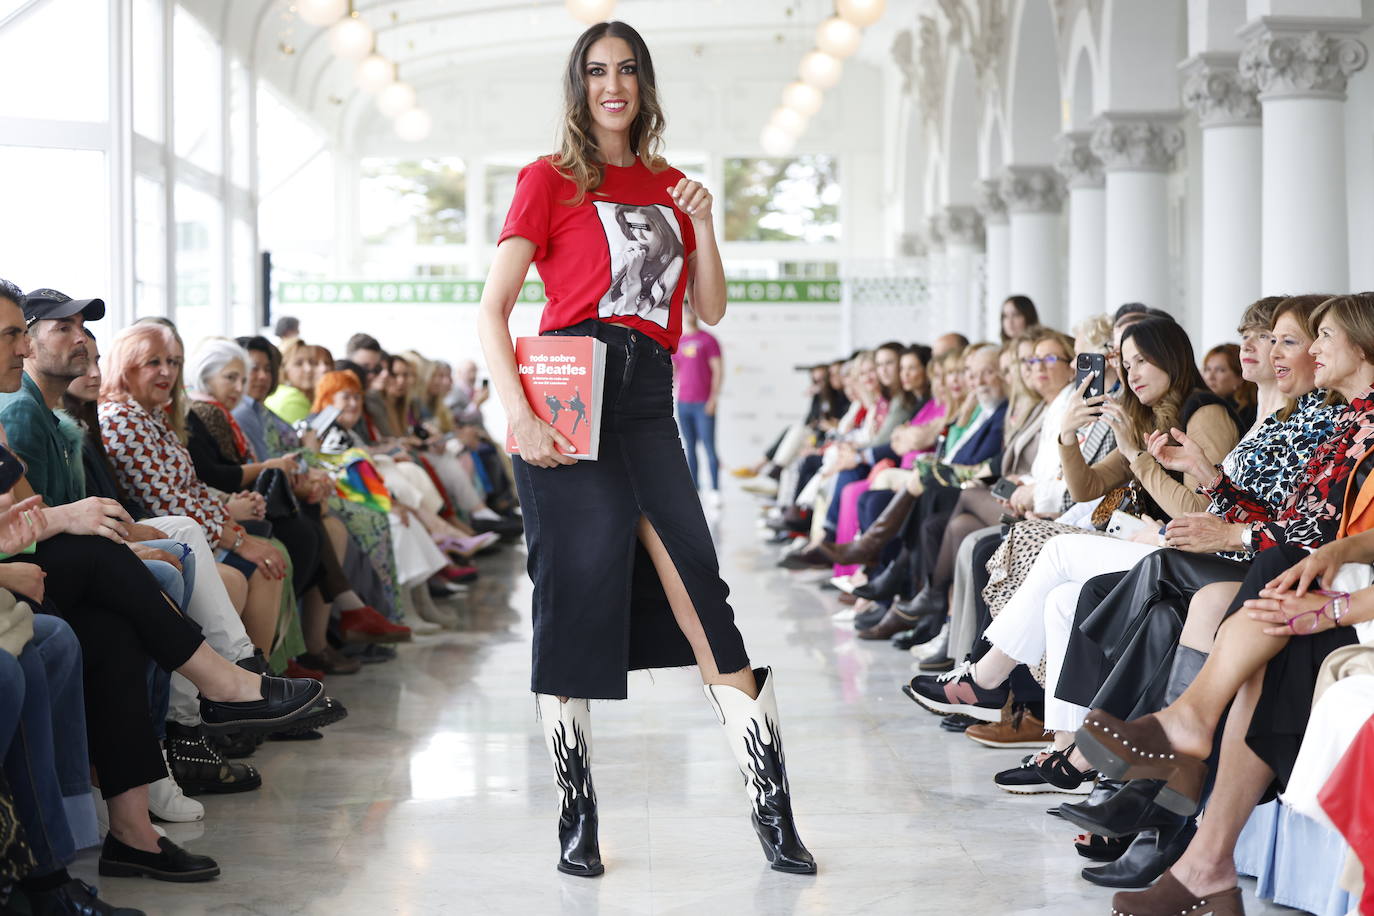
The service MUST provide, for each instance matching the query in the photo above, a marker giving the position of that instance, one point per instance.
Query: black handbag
(275, 488)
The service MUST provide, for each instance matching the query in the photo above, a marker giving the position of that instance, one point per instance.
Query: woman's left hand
(1126, 440)
(1202, 532)
(1278, 611)
(692, 198)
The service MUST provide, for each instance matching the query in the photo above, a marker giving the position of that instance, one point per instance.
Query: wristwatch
(1247, 538)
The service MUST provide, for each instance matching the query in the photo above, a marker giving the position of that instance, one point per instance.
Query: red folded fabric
(1347, 800)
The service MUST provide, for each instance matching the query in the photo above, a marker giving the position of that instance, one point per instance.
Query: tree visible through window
(782, 200)
(422, 201)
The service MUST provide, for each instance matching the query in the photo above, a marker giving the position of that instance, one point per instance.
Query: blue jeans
(43, 740)
(699, 427)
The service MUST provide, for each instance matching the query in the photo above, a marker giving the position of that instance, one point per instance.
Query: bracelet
(1339, 604)
(238, 538)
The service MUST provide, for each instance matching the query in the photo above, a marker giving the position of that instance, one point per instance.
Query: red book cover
(562, 378)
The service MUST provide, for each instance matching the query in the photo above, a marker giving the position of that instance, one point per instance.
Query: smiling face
(1293, 367)
(611, 75)
(1148, 381)
(86, 387)
(227, 385)
(1255, 346)
(1340, 364)
(1053, 369)
(300, 369)
(956, 381)
(985, 376)
(152, 381)
(1219, 376)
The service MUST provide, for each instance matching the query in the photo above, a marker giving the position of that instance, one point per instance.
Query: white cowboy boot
(568, 734)
(751, 727)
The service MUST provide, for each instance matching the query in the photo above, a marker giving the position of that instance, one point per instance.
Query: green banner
(469, 292)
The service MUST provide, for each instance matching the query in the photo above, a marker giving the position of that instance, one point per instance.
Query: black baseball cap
(50, 304)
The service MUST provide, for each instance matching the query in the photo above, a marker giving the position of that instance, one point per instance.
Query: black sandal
(1101, 848)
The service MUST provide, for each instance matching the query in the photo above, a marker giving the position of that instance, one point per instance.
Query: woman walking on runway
(625, 573)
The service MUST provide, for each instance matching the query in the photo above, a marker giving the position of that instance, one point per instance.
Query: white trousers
(417, 558)
(209, 607)
(456, 481)
(1035, 623)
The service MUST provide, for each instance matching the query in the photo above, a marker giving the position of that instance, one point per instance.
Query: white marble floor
(435, 795)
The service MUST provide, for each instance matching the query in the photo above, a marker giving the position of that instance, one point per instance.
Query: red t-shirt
(620, 255)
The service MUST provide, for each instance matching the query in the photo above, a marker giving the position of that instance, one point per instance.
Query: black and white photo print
(645, 243)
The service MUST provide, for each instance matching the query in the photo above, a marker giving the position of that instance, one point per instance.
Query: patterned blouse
(1308, 510)
(156, 469)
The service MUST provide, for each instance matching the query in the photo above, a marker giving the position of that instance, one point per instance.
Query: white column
(1137, 152)
(962, 229)
(1301, 76)
(936, 283)
(1228, 110)
(1034, 194)
(997, 239)
(1082, 173)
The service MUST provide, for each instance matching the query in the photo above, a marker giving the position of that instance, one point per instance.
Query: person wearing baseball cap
(49, 303)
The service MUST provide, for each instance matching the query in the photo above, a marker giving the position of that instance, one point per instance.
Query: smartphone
(11, 469)
(324, 419)
(1003, 488)
(486, 383)
(1087, 364)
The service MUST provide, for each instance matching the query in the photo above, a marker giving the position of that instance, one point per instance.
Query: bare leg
(1205, 611)
(993, 668)
(219, 679)
(338, 534)
(1242, 648)
(260, 612)
(129, 819)
(686, 616)
(236, 585)
(314, 621)
(1209, 865)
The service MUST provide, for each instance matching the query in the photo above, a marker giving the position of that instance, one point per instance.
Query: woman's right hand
(264, 555)
(21, 523)
(24, 579)
(1320, 567)
(1187, 457)
(1082, 411)
(540, 444)
(245, 506)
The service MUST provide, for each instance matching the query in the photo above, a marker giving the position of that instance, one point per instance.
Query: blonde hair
(576, 158)
(425, 369)
(1097, 331)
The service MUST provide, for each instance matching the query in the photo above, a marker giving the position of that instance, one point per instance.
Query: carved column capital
(1076, 162)
(1137, 141)
(961, 225)
(1216, 90)
(1032, 189)
(1287, 60)
(990, 203)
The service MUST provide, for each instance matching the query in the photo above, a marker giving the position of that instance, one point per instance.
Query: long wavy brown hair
(577, 158)
(1165, 344)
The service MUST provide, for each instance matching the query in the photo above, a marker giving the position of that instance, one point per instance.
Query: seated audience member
(80, 568)
(287, 328)
(1018, 317)
(466, 397)
(291, 399)
(1264, 662)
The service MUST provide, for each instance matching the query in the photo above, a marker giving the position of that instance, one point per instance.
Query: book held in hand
(562, 378)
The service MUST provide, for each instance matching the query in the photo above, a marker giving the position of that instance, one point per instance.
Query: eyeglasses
(1308, 622)
(1049, 360)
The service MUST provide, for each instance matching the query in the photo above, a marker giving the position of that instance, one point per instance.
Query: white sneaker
(843, 615)
(167, 802)
(762, 486)
(845, 584)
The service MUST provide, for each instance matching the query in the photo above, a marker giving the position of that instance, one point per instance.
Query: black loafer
(170, 863)
(324, 711)
(284, 700)
(75, 898)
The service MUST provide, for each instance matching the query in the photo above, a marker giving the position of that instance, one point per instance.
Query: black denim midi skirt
(599, 608)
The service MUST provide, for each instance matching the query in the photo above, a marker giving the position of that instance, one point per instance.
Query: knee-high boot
(751, 727)
(568, 734)
(866, 547)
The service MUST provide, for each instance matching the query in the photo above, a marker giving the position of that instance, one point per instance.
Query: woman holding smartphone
(625, 572)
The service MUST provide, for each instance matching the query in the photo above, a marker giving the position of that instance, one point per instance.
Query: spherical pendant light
(776, 142)
(838, 37)
(374, 74)
(820, 69)
(788, 121)
(590, 11)
(802, 98)
(396, 99)
(414, 125)
(321, 12)
(351, 39)
(862, 13)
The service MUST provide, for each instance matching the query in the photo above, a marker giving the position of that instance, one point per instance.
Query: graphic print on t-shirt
(645, 244)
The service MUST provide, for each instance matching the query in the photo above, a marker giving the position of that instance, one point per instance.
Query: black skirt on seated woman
(1121, 648)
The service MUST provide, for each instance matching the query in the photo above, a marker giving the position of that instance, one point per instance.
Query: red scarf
(240, 440)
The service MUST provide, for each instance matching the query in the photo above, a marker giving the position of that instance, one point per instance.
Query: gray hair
(211, 356)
